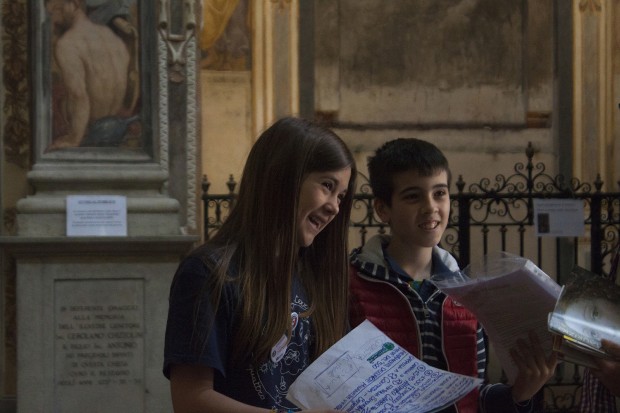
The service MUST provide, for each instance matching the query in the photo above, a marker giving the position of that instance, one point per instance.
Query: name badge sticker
(294, 320)
(279, 350)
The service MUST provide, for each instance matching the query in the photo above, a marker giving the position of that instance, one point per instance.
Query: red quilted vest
(389, 310)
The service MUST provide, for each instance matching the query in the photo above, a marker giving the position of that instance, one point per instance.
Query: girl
(252, 307)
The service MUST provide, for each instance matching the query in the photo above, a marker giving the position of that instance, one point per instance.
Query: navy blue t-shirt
(263, 386)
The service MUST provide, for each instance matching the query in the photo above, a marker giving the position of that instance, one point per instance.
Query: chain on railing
(496, 215)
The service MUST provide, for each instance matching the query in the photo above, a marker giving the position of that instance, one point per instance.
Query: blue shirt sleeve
(193, 334)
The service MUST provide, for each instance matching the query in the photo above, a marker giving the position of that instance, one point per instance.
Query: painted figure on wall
(225, 40)
(95, 73)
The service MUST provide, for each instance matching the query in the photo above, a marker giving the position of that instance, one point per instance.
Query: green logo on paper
(384, 349)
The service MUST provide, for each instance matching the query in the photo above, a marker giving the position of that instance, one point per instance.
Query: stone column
(595, 98)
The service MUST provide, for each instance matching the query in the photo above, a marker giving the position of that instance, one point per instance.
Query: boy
(389, 283)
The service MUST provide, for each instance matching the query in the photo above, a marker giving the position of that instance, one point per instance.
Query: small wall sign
(559, 217)
(96, 215)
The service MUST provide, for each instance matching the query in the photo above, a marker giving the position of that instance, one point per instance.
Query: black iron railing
(502, 206)
(498, 215)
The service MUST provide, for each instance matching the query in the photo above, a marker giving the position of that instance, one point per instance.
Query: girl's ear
(382, 210)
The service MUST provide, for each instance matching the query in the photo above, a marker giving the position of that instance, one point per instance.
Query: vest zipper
(426, 311)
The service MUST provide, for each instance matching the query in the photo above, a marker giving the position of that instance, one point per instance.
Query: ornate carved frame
(40, 57)
(167, 50)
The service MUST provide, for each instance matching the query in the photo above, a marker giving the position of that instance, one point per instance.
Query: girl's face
(319, 202)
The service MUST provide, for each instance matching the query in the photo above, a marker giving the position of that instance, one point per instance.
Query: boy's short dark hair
(402, 155)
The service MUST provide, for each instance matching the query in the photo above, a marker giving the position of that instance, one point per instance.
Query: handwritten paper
(366, 371)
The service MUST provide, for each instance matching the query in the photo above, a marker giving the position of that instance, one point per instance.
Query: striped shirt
(426, 302)
(595, 398)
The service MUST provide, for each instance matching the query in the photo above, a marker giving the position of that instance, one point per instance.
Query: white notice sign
(96, 215)
(559, 217)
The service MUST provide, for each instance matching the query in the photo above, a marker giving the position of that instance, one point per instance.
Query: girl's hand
(534, 368)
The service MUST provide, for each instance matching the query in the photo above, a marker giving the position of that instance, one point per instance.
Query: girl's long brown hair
(260, 235)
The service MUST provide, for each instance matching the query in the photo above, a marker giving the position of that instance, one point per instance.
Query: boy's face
(420, 208)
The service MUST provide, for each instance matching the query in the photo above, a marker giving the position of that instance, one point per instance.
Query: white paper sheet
(96, 215)
(366, 371)
(510, 296)
(559, 217)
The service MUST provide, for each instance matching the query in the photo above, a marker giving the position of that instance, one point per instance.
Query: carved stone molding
(177, 63)
(590, 5)
(192, 145)
(177, 43)
(164, 130)
(16, 130)
(282, 4)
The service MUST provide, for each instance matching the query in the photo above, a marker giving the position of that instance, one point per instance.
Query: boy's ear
(382, 210)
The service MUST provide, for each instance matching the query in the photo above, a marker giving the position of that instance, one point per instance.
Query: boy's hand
(534, 368)
(611, 348)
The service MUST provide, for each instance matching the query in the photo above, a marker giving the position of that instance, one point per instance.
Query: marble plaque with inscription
(99, 345)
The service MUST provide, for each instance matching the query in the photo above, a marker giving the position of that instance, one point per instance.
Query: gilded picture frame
(93, 80)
